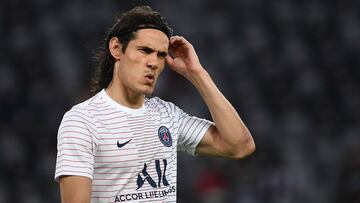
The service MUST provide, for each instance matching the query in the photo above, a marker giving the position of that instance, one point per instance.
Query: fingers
(179, 47)
(178, 41)
(169, 60)
(176, 38)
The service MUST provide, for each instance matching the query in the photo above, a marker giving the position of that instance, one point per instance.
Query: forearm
(228, 123)
(75, 189)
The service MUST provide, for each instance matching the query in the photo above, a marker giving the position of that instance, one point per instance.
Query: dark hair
(125, 27)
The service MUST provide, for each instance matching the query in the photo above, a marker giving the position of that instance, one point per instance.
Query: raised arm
(229, 137)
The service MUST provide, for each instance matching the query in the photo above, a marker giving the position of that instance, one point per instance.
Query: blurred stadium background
(291, 68)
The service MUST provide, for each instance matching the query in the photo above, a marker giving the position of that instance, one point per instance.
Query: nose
(152, 61)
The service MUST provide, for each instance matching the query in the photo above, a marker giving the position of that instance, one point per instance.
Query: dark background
(290, 68)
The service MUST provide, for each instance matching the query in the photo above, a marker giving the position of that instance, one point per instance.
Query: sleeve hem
(202, 133)
(57, 176)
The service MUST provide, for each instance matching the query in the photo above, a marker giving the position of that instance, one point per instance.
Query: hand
(182, 57)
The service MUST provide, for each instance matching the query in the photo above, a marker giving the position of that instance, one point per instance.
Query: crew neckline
(112, 102)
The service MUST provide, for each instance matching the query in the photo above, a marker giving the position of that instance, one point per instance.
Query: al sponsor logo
(145, 195)
(144, 177)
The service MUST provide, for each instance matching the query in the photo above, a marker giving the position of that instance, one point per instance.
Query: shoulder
(83, 111)
(161, 105)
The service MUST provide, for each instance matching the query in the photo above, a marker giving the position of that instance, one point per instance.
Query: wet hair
(125, 27)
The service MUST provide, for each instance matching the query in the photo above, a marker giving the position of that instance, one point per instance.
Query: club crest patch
(165, 136)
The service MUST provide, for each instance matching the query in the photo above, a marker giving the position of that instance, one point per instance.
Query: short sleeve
(191, 131)
(76, 143)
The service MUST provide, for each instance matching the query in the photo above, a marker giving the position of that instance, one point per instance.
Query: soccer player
(119, 146)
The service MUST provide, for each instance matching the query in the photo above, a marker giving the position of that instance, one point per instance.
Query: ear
(115, 48)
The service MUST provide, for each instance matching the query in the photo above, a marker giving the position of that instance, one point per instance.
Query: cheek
(130, 75)
(125, 73)
(131, 68)
(136, 58)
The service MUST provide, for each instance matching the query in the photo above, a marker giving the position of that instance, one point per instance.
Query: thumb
(169, 60)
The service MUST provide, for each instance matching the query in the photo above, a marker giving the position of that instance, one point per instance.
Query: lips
(149, 77)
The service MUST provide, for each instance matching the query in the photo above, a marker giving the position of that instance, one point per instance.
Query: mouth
(150, 78)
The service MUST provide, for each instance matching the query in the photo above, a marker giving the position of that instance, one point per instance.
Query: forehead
(152, 38)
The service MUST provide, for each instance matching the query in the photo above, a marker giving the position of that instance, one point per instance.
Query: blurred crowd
(290, 68)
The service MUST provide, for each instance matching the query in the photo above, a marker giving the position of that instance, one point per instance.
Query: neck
(125, 97)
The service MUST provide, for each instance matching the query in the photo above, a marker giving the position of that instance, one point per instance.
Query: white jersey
(130, 154)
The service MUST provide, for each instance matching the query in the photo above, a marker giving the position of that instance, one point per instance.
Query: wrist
(199, 77)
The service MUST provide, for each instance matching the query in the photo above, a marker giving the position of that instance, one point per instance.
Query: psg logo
(165, 136)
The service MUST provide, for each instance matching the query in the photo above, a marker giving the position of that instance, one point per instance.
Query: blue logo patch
(165, 136)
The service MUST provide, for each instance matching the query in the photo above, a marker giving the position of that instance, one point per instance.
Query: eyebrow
(150, 50)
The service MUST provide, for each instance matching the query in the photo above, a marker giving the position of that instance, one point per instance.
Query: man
(120, 146)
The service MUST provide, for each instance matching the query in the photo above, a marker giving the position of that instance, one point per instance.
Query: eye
(162, 54)
(146, 50)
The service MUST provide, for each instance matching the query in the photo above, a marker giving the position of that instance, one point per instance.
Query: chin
(146, 89)
(148, 92)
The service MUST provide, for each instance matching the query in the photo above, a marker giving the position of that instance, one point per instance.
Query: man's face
(144, 59)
